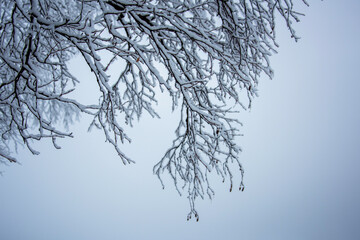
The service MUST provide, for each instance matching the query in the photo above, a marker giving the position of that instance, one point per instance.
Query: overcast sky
(301, 156)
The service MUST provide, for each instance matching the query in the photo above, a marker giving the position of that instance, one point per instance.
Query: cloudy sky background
(301, 156)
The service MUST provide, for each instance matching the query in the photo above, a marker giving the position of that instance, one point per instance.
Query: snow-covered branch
(212, 53)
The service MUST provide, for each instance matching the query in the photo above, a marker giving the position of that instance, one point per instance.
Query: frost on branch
(211, 52)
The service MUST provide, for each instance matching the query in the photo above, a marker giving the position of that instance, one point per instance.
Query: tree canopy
(206, 54)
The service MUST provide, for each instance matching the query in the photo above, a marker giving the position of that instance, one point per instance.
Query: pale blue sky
(301, 158)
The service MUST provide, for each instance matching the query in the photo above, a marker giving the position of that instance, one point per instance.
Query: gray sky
(301, 157)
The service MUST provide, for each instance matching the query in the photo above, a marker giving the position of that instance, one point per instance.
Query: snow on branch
(212, 52)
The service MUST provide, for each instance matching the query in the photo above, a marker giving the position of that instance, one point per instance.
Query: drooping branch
(212, 52)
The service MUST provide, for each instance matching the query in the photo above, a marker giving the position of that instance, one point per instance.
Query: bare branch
(212, 52)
